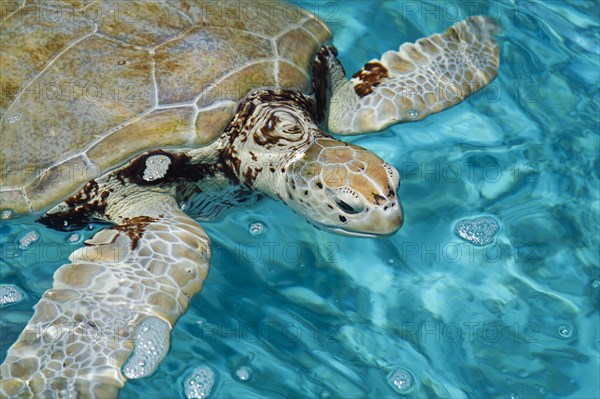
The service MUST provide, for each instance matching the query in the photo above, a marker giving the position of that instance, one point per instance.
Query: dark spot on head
(305, 192)
(377, 198)
(342, 219)
(319, 184)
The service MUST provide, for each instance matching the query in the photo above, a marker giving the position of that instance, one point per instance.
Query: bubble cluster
(6, 214)
(401, 380)
(157, 167)
(412, 113)
(73, 237)
(28, 239)
(565, 331)
(151, 345)
(14, 118)
(257, 229)
(480, 231)
(244, 373)
(200, 383)
(596, 283)
(10, 294)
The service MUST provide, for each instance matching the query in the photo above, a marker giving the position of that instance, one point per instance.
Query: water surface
(312, 314)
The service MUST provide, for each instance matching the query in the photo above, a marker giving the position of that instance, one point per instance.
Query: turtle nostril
(390, 205)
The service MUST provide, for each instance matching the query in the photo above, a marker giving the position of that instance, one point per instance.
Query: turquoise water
(316, 315)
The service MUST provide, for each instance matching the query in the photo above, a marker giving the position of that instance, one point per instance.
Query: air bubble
(596, 283)
(28, 239)
(73, 238)
(200, 322)
(200, 383)
(10, 294)
(151, 345)
(244, 373)
(391, 261)
(565, 331)
(513, 395)
(412, 113)
(157, 167)
(257, 229)
(480, 231)
(14, 118)
(325, 394)
(6, 214)
(401, 380)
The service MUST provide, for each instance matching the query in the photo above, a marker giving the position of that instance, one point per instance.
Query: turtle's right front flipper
(419, 79)
(136, 277)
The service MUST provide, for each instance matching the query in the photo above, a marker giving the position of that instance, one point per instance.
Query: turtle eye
(348, 201)
(346, 207)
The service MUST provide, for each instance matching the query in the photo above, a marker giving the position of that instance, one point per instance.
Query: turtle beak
(381, 222)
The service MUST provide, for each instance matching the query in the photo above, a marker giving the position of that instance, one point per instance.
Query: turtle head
(278, 150)
(345, 189)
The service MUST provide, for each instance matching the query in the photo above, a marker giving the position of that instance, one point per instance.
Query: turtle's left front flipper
(419, 79)
(110, 311)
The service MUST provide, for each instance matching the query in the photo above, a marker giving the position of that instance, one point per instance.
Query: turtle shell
(85, 87)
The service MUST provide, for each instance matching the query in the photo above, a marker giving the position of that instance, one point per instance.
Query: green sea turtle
(145, 114)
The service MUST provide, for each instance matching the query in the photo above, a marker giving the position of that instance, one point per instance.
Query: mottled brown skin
(370, 76)
(134, 228)
(320, 79)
